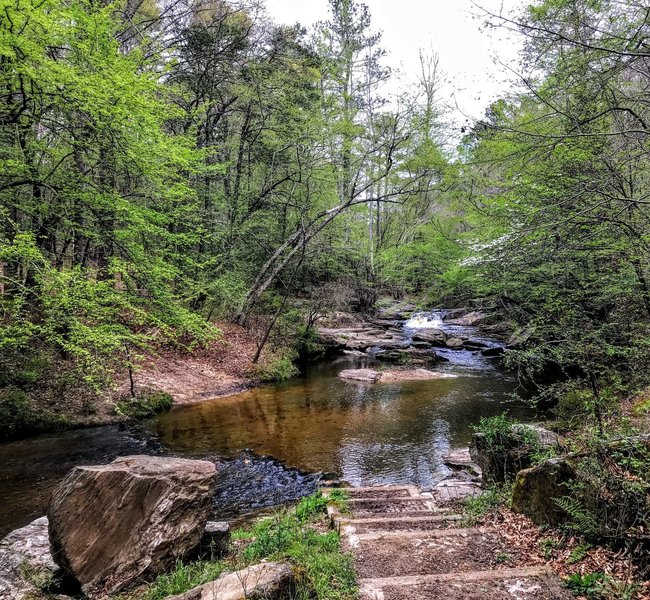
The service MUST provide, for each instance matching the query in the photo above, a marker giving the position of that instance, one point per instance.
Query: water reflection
(369, 434)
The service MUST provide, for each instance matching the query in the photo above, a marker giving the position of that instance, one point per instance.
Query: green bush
(610, 499)
(277, 366)
(149, 404)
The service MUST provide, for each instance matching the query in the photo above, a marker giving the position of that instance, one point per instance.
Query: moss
(149, 404)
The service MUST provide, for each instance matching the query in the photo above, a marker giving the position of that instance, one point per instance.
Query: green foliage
(147, 404)
(492, 498)
(18, 417)
(610, 498)
(277, 365)
(184, 577)
(323, 571)
(589, 584)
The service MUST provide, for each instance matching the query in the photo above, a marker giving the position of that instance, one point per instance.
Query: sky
(469, 55)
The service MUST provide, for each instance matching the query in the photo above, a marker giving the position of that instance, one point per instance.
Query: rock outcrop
(26, 565)
(433, 336)
(505, 454)
(115, 525)
(267, 581)
(537, 489)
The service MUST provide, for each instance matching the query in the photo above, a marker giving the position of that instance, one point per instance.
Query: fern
(581, 519)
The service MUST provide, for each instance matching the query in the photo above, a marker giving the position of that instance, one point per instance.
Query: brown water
(367, 434)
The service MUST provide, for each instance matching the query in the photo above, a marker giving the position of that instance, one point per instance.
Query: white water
(424, 321)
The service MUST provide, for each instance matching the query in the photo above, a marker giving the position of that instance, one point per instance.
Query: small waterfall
(424, 320)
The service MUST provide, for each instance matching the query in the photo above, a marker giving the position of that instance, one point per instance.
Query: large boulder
(537, 489)
(26, 565)
(503, 454)
(266, 581)
(114, 525)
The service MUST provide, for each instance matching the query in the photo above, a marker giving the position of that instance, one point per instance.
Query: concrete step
(525, 583)
(387, 524)
(387, 491)
(362, 507)
(433, 552)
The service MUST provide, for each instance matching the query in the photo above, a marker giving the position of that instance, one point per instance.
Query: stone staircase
(407, 546)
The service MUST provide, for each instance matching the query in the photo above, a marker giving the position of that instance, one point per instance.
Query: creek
(271, 442)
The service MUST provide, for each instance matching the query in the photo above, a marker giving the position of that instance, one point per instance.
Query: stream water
(367, 434)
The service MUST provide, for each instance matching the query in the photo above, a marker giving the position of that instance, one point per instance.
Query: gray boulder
(115, 525)
(215, 541)
(433, 336)
(26, 565)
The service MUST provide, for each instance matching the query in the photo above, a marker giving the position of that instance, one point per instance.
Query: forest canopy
(165, 166)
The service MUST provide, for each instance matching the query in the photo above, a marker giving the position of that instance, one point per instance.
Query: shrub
(149, 404)
(277, 366)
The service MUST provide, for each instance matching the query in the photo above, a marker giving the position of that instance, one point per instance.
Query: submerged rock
(249, 482)
(268, 581)
(114, 525)
(26, 565)
(390, 376)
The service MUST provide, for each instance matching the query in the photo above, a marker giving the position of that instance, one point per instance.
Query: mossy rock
(503, 452)
(537, 489)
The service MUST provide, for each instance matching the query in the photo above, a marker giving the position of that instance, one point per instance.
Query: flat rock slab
(433, 552)
(363, 375)
(26, 564)
(268, 581)
(115, 525)
(452, 490)
(393, 376)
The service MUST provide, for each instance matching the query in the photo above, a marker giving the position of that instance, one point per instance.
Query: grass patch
(475, 507)
(299, 535)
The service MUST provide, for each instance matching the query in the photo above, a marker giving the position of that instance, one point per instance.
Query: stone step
(526, 583)
(389, 554)
(388, 491)
(387, 524)
(361, 507)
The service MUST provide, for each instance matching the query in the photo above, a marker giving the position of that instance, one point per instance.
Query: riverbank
(58, 400)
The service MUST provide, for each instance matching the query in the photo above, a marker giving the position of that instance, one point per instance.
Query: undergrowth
(300, 536)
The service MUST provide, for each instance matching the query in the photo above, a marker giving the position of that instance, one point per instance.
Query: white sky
(452, 28)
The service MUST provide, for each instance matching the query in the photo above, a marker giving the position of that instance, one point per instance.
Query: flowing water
(366, 434)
